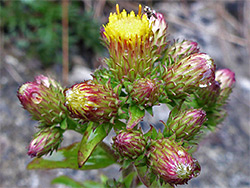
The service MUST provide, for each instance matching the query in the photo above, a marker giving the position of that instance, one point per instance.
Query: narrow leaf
(91, 138)
(63, 124)
(69, 182)
(67, 158)
(136, 116)
(129, 179)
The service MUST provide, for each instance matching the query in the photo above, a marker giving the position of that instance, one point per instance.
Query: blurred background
(61, 39)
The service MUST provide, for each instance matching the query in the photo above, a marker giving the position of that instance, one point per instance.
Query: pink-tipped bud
(171, 162)
(129, 144)
(226, 78)
(159, 28)
(44, 99)
(183, 49)
(146, 92)
(185, 124)
(91, 102)
(188, 74)
(45, 141)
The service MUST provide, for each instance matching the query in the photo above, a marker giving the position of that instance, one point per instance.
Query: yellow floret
(124, 26)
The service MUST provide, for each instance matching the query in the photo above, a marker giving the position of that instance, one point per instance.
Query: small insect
(149, 12)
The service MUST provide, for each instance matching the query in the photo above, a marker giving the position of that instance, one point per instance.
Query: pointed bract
(182, 49)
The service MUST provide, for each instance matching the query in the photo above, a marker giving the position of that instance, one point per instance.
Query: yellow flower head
(128, 38)
(127, 26)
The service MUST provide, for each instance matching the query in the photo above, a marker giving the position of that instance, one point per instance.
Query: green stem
(142, 176)
(73, 125)
(108, 149)
(127, 171)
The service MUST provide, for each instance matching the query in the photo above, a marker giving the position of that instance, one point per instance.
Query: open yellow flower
(127, 26)
(128, 38)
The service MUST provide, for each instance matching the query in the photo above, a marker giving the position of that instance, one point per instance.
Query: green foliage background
(36, 28)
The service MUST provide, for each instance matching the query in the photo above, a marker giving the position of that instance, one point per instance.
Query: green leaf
(118, 89)
(119, 125)
(103, 178)
(67, 158)
(153, 133)
(136, 116)
(150, 110)
(128, 179)
(91, 138)
(143, 175)
(93, 184)
(69, 182)
(63, 124)
(74, 125)
(65, 180)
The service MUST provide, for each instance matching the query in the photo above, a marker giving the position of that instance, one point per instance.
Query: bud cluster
(143, 70)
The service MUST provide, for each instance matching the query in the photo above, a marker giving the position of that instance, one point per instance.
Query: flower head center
(124, 26)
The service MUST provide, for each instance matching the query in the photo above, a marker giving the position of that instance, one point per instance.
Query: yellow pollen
(124, 26)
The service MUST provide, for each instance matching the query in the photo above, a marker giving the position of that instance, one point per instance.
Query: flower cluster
(144, 69)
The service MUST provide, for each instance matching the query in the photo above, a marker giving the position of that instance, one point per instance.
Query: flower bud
(45, 141)
(185, 124)
(188, 74)
(44, 99)
(171, 162)
(129, 144)
(159, 28)
(146, 92)
(183, 49)
(91, 102)
(226, 78)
